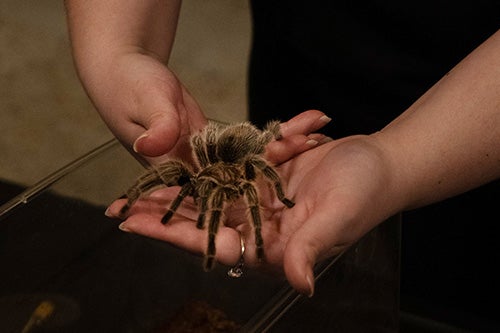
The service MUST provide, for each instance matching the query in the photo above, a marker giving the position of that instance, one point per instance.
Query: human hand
(341, 190)
(121, 51)
(335, 187)
(145, 106)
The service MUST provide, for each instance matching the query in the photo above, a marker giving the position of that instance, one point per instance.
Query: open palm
(336, 190)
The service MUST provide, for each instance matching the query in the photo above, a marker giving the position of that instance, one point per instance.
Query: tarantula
(229, 159)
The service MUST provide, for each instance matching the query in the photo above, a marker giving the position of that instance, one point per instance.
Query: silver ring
(237, 270)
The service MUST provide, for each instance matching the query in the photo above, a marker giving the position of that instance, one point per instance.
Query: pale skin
(446, 143)
(121, 49)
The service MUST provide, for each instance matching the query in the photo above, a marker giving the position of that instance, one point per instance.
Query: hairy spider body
(229, 160)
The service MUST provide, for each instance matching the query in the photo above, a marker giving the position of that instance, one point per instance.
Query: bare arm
(449, 140)
(121, 49)
(106, 27)
(446, 143)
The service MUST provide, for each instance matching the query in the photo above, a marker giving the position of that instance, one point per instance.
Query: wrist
(396, 195)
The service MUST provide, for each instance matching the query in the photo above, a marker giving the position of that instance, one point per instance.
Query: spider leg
(203, 211)
(271, 131)
(272, 176)
(253, 203)
(186, 189)
(169, 173)
(211, 137)
(144, 184)
(204, 190)
(216, 203)
(199, 150)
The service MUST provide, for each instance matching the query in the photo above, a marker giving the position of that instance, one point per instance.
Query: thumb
(161, 135)
(298, 264)
(309, 244)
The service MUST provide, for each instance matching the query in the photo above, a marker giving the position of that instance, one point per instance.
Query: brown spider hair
(229, 160)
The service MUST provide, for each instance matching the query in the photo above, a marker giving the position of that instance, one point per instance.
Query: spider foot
(260, 254)
(168, 215)
(287, 202)
(273, 128)
(123, 211)
(201, 221)
(209, 263)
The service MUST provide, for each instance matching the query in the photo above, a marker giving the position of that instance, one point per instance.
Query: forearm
(449, 141)
(121, 49)
(102, 29)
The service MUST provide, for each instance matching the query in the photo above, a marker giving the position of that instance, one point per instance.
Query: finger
(298, 265)
(304, 123)
(184, 234)
(162, 133)
(321, 138)
(155, 203)
(145, 216)
(278, 152)
(113, 210)
(309, 244)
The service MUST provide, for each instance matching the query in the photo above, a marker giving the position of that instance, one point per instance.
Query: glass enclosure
(68, 268)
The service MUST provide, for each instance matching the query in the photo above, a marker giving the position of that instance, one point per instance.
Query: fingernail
(325, 119)
(108, 213)
(311, 285)
(122, 227)
(311, 143)
(326, 139)
(137, 141)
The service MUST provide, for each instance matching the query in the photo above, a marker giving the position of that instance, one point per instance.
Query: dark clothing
(363, 64)
(363, 67)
